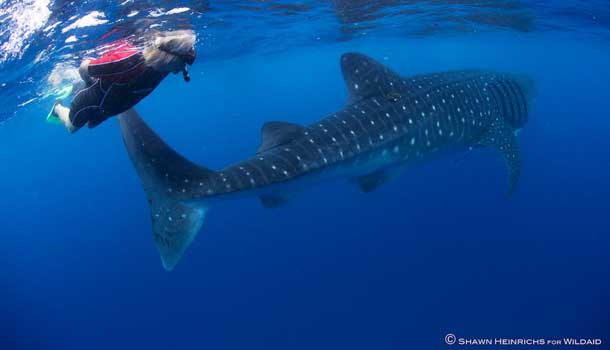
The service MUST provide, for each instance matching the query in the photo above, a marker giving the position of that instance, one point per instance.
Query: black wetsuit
(106, 94)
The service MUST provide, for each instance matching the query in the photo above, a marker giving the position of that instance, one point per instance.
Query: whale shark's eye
(393, 97)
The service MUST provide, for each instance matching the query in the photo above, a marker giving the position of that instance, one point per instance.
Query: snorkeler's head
(171, 51)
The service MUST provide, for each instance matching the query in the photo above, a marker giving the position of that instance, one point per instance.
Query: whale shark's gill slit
(168, 181)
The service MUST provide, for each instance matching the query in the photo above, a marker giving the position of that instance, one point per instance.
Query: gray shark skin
(388, 123)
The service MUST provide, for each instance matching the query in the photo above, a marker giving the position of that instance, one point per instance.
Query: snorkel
(189, 59)
(185, 74)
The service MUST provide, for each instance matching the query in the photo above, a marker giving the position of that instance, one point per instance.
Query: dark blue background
(440, 249)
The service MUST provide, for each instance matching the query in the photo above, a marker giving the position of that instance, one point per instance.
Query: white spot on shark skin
(363, 111)
(183, 216)
(452, 96)
(261, 158)
(440, 132)
(252, 181)
(325, 160)
(410, 121)
(423, 114)
(404, 108)
(273, 167)
(334, 139)
(433, 107)
(298, 157)
(438, 124)
(426, 132)
(210, 192)
(396, 149)
(201, 184)
(356, 86)
(384, 153)
(372, 122)
(311, 141)
(459, 109)
(358, 147)
(285, 172)
(463, 120)
(325, 130)
(412, 141)
(376, 102)
(344, 122)
(387, 115)
(395, 128)
(381, 137)
(352, 132)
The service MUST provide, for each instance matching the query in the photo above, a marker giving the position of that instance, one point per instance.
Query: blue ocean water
(438, 250)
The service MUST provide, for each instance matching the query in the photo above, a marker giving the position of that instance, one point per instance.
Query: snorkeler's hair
(168, 51)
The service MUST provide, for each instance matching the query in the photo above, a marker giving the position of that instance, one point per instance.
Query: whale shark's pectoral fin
(273, 201)
(366, 78)
(503, 139)
(274, 134)
(371, 182)
(168, 179)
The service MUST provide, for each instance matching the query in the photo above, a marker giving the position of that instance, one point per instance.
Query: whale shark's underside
(389, 122)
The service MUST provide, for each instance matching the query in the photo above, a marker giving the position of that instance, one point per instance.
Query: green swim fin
(52, 118)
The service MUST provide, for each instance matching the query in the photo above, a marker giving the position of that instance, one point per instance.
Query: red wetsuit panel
(121, 63)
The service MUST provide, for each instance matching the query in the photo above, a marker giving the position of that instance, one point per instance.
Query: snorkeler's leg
(63, 113)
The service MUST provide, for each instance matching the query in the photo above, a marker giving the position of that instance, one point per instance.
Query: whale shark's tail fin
(168, 179)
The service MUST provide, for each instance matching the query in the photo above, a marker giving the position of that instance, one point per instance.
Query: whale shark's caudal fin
(175, 221)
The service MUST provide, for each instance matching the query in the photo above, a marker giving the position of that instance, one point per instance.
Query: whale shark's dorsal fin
(168, 178)
(275, 134)
(366, 78)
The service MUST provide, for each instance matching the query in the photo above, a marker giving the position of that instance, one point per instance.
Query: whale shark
(389, 122)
